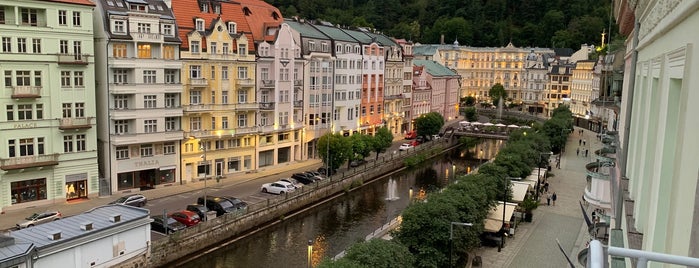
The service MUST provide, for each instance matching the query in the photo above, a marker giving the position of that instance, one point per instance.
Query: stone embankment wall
(213, 232)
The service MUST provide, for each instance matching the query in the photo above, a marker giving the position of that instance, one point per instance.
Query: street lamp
(538, 174)
(310, 253)
(451, 238)
(202, 146)
(565, 140)
(480, 158)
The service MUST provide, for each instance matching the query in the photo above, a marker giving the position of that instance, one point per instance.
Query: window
(224, 97)
(150, 126)
(8, 78)
(122, 152)
(169, 148)
(213, 97)
(76, 19)
(22, 45)
(194, 47)
(119, 50)
(144, 51)
(63, 17)
(170, 123)
(195, 123)
(264, 73)
(149, 77)
(194, 71)
(224, 72)
(11, 148)
(199, 24)
(143, 27)
(78, 79)
(149, 101)
(224, 122)
(121, 102)
(195, 97)
(242, 72)
(36, 45)
(2, 16)
(242, 96)
(77, 47)
(170, 100)
(167, 29)
(6, 44)
(212, 48)
(39, 111)
(242, 49)
(232, 28)
(225, 49)
(171, 76)
(146, 150)
(67, 143)
(63, 46)
(213, 73)
(23, 78)
(242, 120)
(119, 26)
(121, 127)
(29, 16)
(67, 110)
(24, 111)
(80, 110)
(169, 52)
(213, 122)
(80, 143)
(26, 147)
(120, 76)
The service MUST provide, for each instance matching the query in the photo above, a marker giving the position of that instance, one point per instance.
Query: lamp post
(480, 158)
(451, 238)
(538, 172)
(310, 253)
(565, 140)
(202, 146)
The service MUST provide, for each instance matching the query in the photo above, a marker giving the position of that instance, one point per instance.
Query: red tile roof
(186, 11)
(262, 16)
(77, 2)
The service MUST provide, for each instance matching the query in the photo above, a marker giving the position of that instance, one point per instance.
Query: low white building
(105, 236)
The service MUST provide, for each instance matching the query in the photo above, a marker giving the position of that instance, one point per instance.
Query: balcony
(268, 83)
(247, 106)
(152, 137)
(198, 108)
(26, 92)
(73, 59)
(198, 82)
(147, 37)
(266, 106)
(245, 82)
(23, 162)
(393, 97)
(298, 104)
(75, 123)
(298, 83)
(219, 133)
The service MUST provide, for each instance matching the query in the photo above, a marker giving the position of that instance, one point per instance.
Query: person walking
(548, 199)
(579, 142)
(577, 151)
(584, 142)
(554, 197)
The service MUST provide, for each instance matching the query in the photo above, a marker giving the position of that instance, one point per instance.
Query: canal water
(336, 225)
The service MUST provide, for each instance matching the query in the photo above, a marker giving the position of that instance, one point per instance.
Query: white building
(534, 82)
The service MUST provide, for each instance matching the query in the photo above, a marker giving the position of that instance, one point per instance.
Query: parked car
(186, 217)
(316, 175)
(420, 139)
(304, 178)
(293, 181)
(405, 146)
(326, 171)
(415, 143)
(436, 137)
(136, 200)
(278, 187)
(411, 135)
(199, 209)
(166, 225)
(357, 162)
(219, 204)
(39, 218)
(237, 203)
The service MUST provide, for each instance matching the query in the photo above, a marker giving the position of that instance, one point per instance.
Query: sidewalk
(69, 208)
(534, 243)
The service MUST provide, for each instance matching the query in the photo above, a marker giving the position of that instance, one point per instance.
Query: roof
(564, 52)
(335, 33)
(519, 190)
(382, 39)
(77, 2)
(260, 17)
(425, 50)
(70, 226)
(186, 12)
(121, 7)
(360, 36)
(306, 30)
(493, 223)
(434, 68)
(11, 249)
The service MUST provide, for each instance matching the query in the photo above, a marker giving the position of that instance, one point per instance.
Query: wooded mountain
(494, 23)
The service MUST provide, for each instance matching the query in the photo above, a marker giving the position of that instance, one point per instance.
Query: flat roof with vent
(88, 223)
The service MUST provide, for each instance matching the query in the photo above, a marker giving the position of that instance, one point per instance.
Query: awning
(168, 167)
(519, 190)
(493, 223)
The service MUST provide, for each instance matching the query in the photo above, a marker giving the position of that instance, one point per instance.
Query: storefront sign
(25, 125)
(147, 163)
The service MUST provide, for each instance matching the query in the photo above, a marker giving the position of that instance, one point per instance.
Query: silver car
(136, 200)
(39, 218)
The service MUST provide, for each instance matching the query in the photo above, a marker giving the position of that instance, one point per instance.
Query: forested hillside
(542, 23)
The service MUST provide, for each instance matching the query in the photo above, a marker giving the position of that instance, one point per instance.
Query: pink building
(435, 89)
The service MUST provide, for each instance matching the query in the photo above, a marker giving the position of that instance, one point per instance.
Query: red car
(188, 218)
(411, 135)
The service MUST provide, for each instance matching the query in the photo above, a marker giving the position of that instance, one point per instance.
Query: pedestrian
(577, 151)
(558, 164)
(548, 199)
(579, 142)
(586, 152)
(546, 187)
(554, 197)
(584, 141)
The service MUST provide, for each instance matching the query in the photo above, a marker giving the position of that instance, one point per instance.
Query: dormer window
(204, 7)
(232, 28)
(242, 49)
(217, 9)
(275, 16)
(247, 11)
(199, 24)
(134, 7)
(167, 29)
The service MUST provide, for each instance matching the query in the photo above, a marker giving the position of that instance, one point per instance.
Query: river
(334, 226)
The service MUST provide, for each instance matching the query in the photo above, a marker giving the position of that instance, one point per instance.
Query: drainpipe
(618, 195)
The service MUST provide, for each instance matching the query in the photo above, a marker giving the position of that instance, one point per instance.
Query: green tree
(496, 92)
(429, 124)
(471, 114)
(381, 141)
(380, 253)
(361, 146)
(468, 101)
(338, 147)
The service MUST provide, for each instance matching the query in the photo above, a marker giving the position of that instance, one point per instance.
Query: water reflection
(336, 225)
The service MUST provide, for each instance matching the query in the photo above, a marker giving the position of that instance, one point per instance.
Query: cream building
(47, 127)
(581, 89)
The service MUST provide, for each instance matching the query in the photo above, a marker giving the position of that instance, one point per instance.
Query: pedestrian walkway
(534, 243)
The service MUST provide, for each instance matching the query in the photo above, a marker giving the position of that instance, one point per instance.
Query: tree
(380, 253)
(471, 114)
(429, 124)
(381, 141)
(361, 146)
(468, 101)
(339, 149)
(496, 92)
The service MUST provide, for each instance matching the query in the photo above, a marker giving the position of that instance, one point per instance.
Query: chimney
(115, 218)
(441, 40)
(54, 235)
(86, 226)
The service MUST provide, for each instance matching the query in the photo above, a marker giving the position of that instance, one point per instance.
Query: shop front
(28, 190)
(76, 186)
(145, 174)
